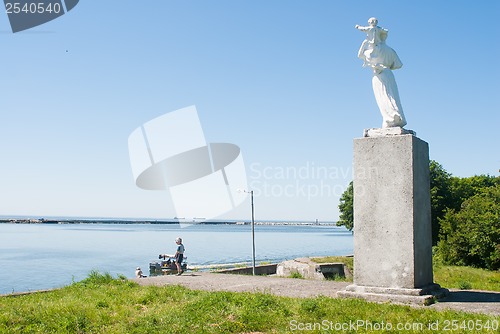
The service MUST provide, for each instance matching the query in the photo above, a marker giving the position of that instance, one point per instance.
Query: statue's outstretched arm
(357, 26)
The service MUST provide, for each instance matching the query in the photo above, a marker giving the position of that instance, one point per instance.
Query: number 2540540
(32, 8)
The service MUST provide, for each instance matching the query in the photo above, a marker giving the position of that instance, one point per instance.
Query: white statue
(382, 59)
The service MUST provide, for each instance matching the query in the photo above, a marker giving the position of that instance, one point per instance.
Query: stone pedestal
(392, 219)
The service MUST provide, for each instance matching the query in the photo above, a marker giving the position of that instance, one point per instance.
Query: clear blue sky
(278, 78)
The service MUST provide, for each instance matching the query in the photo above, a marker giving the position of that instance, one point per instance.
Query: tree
(467, 187)
(441, 196)
(346, 208)
(471, 236)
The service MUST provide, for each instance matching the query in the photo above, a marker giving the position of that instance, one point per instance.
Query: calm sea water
(34, 256)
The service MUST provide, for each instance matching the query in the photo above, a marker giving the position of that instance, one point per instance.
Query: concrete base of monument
(417, 296)
(384, 132)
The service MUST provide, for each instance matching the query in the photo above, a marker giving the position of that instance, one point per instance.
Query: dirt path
(468, 301)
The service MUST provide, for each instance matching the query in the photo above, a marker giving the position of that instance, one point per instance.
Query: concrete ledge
(383, 298)
(418, 296)
(330, 270)
(382, 132)
(16, 294)
(303, 266)
(268, 269)
(312, 270)
(395, 291)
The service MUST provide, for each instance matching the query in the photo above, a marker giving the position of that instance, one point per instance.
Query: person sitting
(138, 273)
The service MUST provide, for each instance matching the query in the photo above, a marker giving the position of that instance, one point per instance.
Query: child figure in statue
(374, 36)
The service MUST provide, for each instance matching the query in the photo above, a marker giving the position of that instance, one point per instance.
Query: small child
(374, 36)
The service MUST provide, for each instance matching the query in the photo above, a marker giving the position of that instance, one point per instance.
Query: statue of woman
(382, 60)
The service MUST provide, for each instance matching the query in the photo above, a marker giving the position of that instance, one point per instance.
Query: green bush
(465, 285)
(296, 274)
(471, 236)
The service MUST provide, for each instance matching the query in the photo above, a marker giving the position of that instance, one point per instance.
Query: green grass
(338, 278)
(450, 277)
(101, 304)
(454, 277)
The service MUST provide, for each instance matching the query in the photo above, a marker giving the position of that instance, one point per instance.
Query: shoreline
(158, 222)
